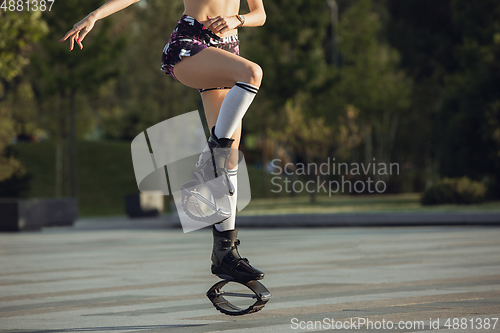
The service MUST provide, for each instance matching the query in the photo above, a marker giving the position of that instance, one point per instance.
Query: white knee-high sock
(233, 108)
(230, 222)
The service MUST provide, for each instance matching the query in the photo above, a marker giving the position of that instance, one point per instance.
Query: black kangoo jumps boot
(227, 262)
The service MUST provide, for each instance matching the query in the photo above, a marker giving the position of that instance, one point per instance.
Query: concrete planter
(144, 204)
(34, 214)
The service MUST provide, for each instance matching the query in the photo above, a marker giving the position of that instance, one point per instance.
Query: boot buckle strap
(224, 244)
(236, 262)
(227, 243)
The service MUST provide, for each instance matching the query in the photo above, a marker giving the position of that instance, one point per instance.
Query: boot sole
(231, 278)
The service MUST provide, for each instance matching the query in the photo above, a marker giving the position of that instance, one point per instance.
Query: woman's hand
(83, 27)
(222, 24)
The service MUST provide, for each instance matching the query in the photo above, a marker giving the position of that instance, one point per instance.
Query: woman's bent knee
(252, 74)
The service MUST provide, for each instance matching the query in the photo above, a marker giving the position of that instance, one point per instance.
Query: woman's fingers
(211, 21)
(69, 33)
(71, 42)
(222, 29)
(72, 35)
(79, 31)
(79, 38)
(221, 24)
(84, 32)
(216, 24)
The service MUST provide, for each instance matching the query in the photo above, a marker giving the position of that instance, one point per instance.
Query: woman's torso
(200, 9)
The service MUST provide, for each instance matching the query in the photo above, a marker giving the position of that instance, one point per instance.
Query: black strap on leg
(214, 162)
(208, 89)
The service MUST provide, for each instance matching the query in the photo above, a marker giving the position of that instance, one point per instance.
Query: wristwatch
(242, 19)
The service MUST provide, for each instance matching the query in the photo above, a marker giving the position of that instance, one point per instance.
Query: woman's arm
(256, 17)
(85, 25)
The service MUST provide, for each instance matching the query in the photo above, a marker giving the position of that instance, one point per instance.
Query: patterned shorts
(190, 37)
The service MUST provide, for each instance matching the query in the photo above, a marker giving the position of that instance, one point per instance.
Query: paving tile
(143, 279)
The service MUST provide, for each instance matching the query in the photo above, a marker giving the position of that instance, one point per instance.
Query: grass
(408, 202)
(106, 175)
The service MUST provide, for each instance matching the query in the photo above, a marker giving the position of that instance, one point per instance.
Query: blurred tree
(64, 82)
(451, 49)
(424, 33)
(9, 166)
(294, 51)
(370, 79)
(19, 31)
(309, 138)
(312, 139)
(18, 114)
(470, 114)
(143, 95)
(290, 49)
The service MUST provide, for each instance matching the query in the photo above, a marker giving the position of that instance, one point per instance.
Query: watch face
(241, 18)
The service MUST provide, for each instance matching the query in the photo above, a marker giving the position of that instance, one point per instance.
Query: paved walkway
(133, 279)
(486, 218)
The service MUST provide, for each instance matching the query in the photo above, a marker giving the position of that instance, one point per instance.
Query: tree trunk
(59, 169)
(265, 176)
(73, 159)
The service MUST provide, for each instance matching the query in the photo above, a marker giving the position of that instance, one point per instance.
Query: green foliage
(9, 166)
(19, 30)
(470, 113)
(17, 114)
(289, 48)
(370, 80)
(311, 138)
(303, 92)
(105, 172)
(417, 84)
(142, 95)
(454, 191)
(65, 80)
(451, 49)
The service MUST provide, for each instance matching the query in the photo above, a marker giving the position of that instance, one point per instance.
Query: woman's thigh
(212, 101)
(213, 67)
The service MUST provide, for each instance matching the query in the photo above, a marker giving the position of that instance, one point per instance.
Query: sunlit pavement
(114, 278)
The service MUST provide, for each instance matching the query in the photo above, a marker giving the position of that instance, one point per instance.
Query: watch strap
(241, 18)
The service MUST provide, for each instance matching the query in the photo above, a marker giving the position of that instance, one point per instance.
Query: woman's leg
(213, 67)
(217, 68)
(212, 101)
